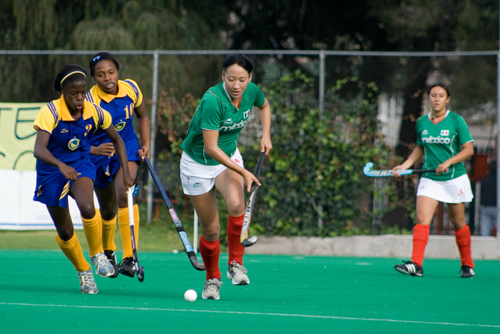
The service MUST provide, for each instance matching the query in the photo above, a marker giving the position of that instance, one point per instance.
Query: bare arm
(265, 117)
(144, 130)
(210, 138)
(416, 155)
(42, 153)
(466, 152)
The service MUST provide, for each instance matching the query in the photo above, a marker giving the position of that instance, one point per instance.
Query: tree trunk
(412, 110)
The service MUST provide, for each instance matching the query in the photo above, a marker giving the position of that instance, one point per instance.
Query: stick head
(367, 168)
(250, 241)
(194, 262)
(140, 274)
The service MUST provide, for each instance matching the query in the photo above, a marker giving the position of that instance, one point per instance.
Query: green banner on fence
(17, 136)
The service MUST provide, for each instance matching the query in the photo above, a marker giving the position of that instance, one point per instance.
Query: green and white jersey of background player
(442, 141)
(216, 112)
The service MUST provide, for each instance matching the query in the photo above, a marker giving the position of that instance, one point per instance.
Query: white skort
(198, 179)
(452, 191)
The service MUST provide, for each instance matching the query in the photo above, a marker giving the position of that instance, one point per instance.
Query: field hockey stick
(178, 225)
(244, 239)
(368, 171)
(130, 202)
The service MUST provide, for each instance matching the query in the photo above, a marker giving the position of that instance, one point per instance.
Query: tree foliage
(114, 25)
(440, 25)
(316, 164)
(385, 25)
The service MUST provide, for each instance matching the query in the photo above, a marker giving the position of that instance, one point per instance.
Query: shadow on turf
(119, 290)
(39, 288)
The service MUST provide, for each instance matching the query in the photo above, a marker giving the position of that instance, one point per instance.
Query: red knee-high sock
(210, 252)
(420, 239)
(462, 237)
(235, 248)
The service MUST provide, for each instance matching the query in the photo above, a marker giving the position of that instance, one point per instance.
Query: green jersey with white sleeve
(442, 141)
(216, 112)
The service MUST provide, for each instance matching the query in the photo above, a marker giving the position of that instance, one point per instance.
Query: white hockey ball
(190, 295)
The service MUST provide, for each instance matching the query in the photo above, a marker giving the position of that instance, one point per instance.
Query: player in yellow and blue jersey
(122, 99)
(211, 161)
(65, 128)
(444, 141)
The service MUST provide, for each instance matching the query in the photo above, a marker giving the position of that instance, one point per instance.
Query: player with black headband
(211, 161)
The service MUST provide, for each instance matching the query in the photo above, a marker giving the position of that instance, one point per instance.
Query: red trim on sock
(235, 249)
(420, 239)
(463, 240)
(210, 252)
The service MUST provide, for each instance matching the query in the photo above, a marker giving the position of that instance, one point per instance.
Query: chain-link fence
(173, 81)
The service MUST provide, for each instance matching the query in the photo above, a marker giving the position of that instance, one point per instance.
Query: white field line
(250, 313)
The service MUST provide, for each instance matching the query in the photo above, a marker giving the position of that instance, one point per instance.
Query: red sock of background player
(420, 239)
(235, 248)
(210, 254)
(462, 237)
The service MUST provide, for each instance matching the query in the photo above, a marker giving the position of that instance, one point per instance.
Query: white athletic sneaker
(238, 274)
(211, 289)
(87, 283)
(103, 267)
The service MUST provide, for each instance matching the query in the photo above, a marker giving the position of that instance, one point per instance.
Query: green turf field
(39, 293)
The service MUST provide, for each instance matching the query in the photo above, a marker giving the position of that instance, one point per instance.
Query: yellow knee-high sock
(137, 220)
(108, 234)
(73, 251)
(93, 232)
(124, 225)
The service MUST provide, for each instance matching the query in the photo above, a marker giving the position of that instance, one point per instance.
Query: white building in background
(390, 113)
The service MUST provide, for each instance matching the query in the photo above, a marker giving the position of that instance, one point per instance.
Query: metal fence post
(321, 94)
(321, 106)
(153, 133)
(496, 139)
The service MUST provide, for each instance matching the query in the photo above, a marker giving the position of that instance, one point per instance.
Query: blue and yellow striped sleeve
(90, 96)
(102, 118)
(107, 119)
(134, 91)
(47, 118)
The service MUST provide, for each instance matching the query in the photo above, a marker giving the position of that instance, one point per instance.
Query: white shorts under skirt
(452, 191)
(198, 179)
